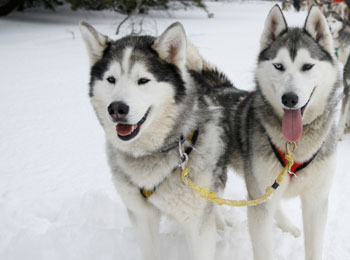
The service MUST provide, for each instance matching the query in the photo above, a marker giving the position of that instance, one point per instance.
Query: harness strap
(207, 194)
(188, 149)
(281, 156)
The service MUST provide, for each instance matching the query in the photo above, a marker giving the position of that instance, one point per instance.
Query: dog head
(335, 23)
(296, 69)
(136, 84)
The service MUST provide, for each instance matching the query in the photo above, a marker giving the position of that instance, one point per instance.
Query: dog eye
(307, 67)
(278, 66)
(111, 79)
(142, 81)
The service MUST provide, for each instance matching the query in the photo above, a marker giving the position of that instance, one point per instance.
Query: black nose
(290, 99)
(118, 110)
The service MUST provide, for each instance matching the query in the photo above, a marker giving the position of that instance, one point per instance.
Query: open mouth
(303, 108)
(292, 122)
(127, 132)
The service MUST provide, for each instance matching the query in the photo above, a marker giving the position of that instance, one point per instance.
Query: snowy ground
(56, 196)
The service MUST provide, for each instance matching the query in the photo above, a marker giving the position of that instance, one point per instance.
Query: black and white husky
(150, 94)
(340, 30)
(295, 100)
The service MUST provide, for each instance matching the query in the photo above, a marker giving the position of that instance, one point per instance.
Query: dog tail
(194, 61)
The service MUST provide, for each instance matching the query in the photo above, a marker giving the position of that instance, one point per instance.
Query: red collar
(281, 156)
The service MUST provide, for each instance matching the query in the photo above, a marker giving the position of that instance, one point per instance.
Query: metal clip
(183, 156)
(184, 160)
(291, 148)
(292, 173)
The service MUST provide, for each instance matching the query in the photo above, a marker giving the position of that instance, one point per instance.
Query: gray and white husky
(340, 30)
(295, 100)
(149, 95)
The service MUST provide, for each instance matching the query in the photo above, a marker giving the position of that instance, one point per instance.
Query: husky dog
(295, 100)
(149, 94)
(287, 5)
(340, 30)
(341, 9)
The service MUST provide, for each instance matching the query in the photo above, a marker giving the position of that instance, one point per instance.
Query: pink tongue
(123, 129)
(292, 125)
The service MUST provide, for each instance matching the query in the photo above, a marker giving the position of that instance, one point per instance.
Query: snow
(57, 200)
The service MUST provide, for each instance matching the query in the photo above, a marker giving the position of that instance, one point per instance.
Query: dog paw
(291, 229)
(295, 232)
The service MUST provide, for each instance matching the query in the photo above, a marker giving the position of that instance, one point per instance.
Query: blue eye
(278, 66)
(143, 81)
(111, 79)
(307, 67)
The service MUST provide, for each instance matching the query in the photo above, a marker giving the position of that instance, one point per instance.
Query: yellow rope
(205, 193)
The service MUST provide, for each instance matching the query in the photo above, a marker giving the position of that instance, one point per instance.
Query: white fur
(293, 79)
(313, 183)
(158, 96)
(95, 42)
(132, 164)
(275, 24)
(171, 45)
(316, 25)
(334, 25)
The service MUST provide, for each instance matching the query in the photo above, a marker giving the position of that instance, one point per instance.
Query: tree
(7, 6)
(128, 7)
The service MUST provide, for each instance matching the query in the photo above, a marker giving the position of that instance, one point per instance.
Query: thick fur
(259, 119)
(340, 30)
(183, 94)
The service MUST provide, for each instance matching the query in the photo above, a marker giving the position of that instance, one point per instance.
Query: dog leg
(201, 237)
(221, 221)
(147, 232)
(261, 219)
(315, 209)
(260, 224)
(283, 222)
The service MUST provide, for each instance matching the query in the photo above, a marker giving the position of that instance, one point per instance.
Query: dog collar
(192, 138)
(281, 156)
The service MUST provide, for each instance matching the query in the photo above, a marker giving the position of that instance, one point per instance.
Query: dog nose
(118, 110)
(290, 99)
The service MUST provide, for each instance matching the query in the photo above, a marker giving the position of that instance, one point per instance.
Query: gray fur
(294, 39)
(342, 38)
(257, 121)
(204, 100)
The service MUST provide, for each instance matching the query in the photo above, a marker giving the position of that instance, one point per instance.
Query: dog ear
(275, 24)
(95, 42)
(316, 26)
(172, 44)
